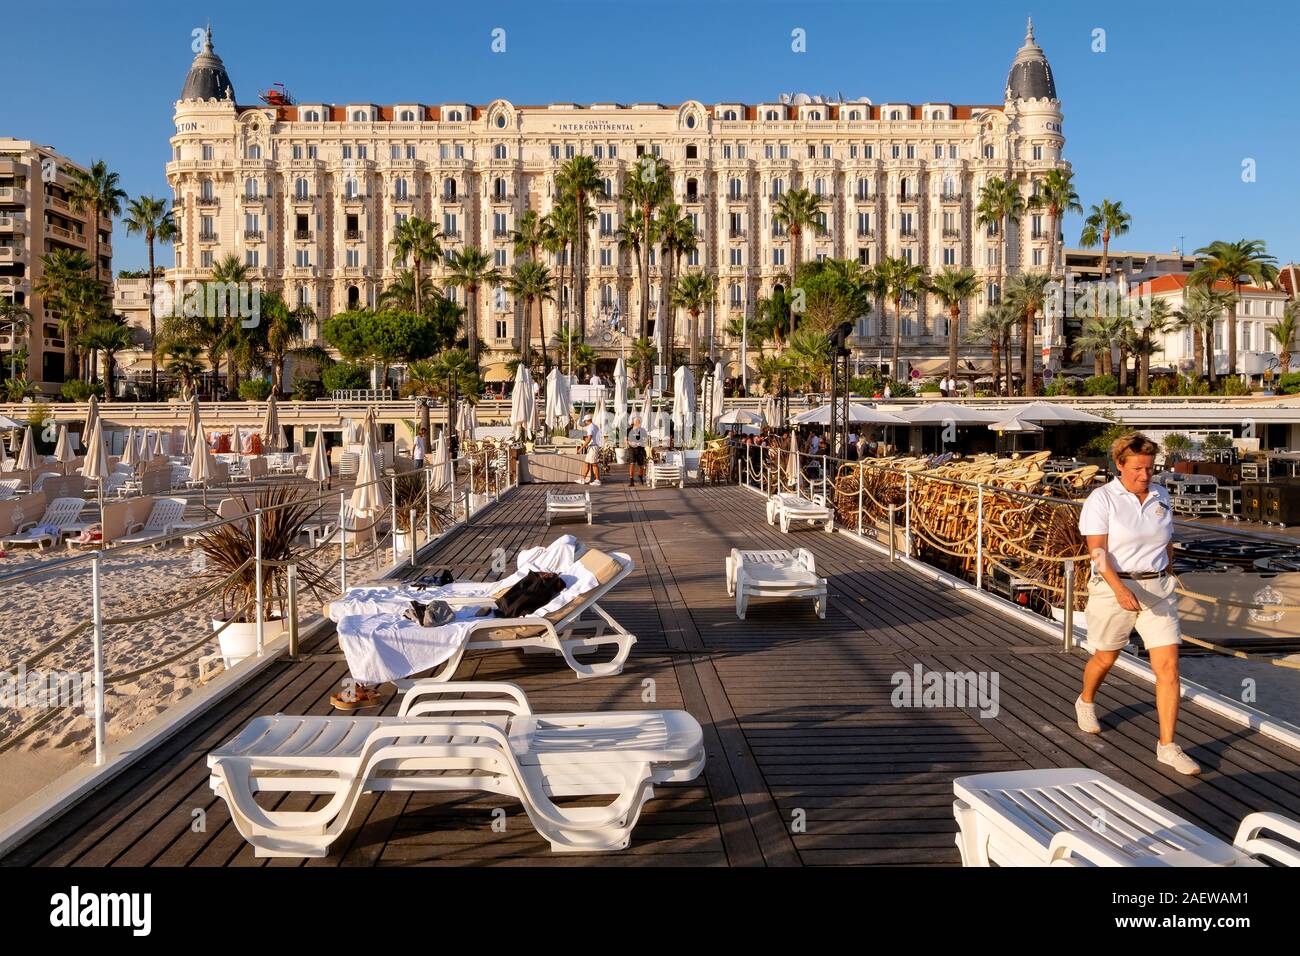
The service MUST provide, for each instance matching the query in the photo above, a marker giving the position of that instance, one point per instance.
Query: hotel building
(309, 195)
(36, 218)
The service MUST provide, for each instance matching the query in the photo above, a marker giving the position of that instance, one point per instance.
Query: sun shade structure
(1014, 424)
(858, 414)
(772, 412)
(683, 406)
(559, 403)
(716, 406)
(27, 455)
(191, 426)
(467, 421)
(946, 413)
(92, 416)
(272, 434)
(318, 465)
(1049, 413)
(441, 477)
(368, 497)
(522, 406)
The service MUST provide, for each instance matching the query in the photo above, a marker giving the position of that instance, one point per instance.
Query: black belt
(1141, 575)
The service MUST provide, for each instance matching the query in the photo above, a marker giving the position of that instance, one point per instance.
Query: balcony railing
(451, 197)
(866, 233)
(864, 197)
(907, 233)
(952, 233)
(252, 234)
(208, 237)
(736, 233)
(206, 200)
(309, 197)
(500, 233)
(352, 235)
(503, 197)
(302, 233)
(908, 197)
(737, 197)
(950, 197)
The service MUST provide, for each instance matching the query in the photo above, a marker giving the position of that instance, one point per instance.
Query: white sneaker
(583, 481)
(1087, 715)
(596, 482)
(1173, 755)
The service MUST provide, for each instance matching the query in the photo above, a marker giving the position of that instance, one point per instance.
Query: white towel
(386, 647)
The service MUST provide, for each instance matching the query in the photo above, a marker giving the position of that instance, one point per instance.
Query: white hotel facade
(309, 195)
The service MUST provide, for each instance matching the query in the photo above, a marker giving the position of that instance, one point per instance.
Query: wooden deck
(809, 764)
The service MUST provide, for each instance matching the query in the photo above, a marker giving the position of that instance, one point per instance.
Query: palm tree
(1000, 205)
(1158, 321)
(580, 179)
(470, 269)
(1094, 341)
(531, 281)
(230, 272)
(954, 287)
(530, 234)
(96, 191)
(63, 270)
(17, 320)
(899, 278)
(1284, 334)
(430, 376)
(643, 359)
(1104, 222)
(150, 217)
(647, 187)
(676, 237)
(110, 336)
(797, 210)
(419, 239)
(992, 327)
(629, 236)
(1232, 262)
(1201, 312)
(694, 292)
(1055, 194)
(400, 295)
(584, 358)
(1116, 329)
(185, 362)
(281, 332)
(1028, 293)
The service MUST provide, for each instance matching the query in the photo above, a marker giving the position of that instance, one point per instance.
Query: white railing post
(258, 578)
(392, 504)
(469, 501)
(907, 513)
(343, 545)
(862, 477)
(291, 585)
(1068, 608)
(451, 466)
(823, 477)
(979, 539)
(411, 518)
(98, 664)
(428, 504)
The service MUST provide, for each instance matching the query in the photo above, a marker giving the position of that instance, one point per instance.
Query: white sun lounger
(61, 513)
(489, 740)
(559, 504)
(785, 574)
(670, 471)
(786, 508)
(1078, 817)
(164, 519)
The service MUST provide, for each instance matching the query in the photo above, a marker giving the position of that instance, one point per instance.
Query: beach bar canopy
(858, 415)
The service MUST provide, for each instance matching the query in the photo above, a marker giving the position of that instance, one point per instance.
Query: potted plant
(228, 551)
(411, 497)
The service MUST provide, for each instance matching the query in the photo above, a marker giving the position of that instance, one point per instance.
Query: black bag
(433, 614)
(526, 596)
(435, 580)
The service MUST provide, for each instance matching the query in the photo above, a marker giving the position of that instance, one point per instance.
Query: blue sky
(1161, 120)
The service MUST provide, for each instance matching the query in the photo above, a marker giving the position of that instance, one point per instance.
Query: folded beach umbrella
(559, 403)
(191, 425)
(272, 434)
(63, 452)
(522, 408)
(715, 412)
(318, 465)
(131, 453)
(683, 406)
(620, 400)
(27, 455)
(368, 497)
(160, 444)
(772, 412)
(92, 416)
(95, 467)
(441, 477)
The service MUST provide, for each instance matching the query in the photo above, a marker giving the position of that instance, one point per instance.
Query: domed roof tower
(1031, 75)
(208, 79)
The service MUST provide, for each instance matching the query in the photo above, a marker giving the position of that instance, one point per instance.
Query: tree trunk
(472, 311)
(996, 356)
(153, 329)
(1008, 357)
(643, 262)
(1232, 329)
(541, 329)
(1198, 353)
(580, 263)
(691, 335)
(898, 332)
(1098, 366)
(1144, 366)
(794, 272)
(954, 314)
(415, 262)
(1027, 363)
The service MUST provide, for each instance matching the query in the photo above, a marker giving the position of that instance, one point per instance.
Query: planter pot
(620, 455)
(478, 502)
(239, 640)
(403, 542)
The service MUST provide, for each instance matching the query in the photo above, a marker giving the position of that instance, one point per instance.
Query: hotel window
(499, 299)
(771, 115)
(498, 188)
(992, 295)
(350, 188)
(410, 152)
(311, 116)
(448, 189)
(952, 151)
(949, 256)
(911, 151)
(905, 224)
(864, 224)
(501, 330)
(255, 152)
(449, 224)
(1038, 152)
(457, 151)
(399, 188)
(826, 152)
(733, 188)
(206, 227)
(692, 151)
(300, 189)
(988, 151)
(695, 222)
(399, 218)
(693, 257)
(613, 151)
(737, 257)
(938, 151)
(950, 223)
(895, 152)
(407, 116)
(768, 152)
(819, 187)
(302, 295)
(499, 258)
(652, 256)
(302, 258)
(347, 151)
(353, 258)
(609, 189)
(864, 256)
(778, 187)
(360, 116)
(606, 223)
(499, 229)
(853, 151)
(655, 150)
(311, 152)
(362, 151)
(297, 151)
(729, 116)
(735, 224)
(207, 152)
(251, 223)
(568, 151)
(598, 151)
(555, 151)
(205, 259)
(251, 258)
(784, 151)
(455, 116)
(868, 151)
(394, 152)
(205, 189)
(250, 188)
(740, 152)
(606, 257)
(778, 257)
(726, 151)
(499, 151)
(734, 295)
(1037, 257)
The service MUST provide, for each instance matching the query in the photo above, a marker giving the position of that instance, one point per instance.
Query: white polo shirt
(1138, 533)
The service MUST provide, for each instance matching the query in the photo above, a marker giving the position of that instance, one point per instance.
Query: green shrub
(1177, 442)
(1100, 385)
(1289, 384)
(343, 377)
(1099, 444)
(1217, 441)
(1063, 385)
(308, 390)
(255, 390)
(75, 390)
(1232, 385)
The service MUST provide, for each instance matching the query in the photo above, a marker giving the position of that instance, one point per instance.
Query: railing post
(823, 477)
(257, 580)
(392, 505)
(451, 487)
(979, 538)
(343, 545)
(907, 513)
(428, 504)
(98, 663)
(291, 584)
(469, 500)
(412, 541)
(1068, 608)
(862, 477)
(892, 509)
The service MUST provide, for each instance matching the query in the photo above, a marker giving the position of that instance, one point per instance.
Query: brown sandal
(355, 698)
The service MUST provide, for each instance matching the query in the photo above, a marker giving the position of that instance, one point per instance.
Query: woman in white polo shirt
(1129, 526)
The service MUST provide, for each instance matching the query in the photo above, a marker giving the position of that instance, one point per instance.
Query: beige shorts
(592, 454)
(1109, 625)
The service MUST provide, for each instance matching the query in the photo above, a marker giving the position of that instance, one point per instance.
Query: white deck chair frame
(799, 570)
(559, 505)
(498, 746)
(1078, 817)
(670, 471)
(60, 513)
(783, 509)
(164, 519)
(568, 636)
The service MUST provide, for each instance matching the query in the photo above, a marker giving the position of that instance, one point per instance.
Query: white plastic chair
(162, 521)
(786, 508)
(61, 514)
(784, 574)
(670, 471)
(1078, 817)
(497, 746)
(559, 504)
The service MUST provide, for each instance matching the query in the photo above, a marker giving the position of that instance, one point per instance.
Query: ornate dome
(208, 79)
(1031, 75)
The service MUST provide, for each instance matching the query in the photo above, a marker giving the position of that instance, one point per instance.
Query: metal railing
(330, 512)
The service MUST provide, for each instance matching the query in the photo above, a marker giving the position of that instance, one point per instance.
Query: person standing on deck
(590, 449)
(637, 439)
(421, 447)
(1128, 525)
